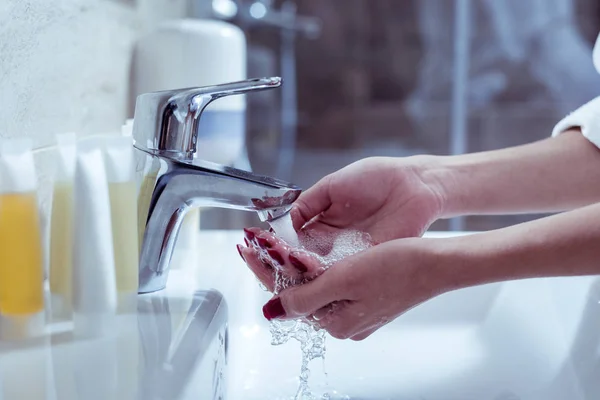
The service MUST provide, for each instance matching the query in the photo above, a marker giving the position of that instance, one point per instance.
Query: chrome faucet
(165, 132)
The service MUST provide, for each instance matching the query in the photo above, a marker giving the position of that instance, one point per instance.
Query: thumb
(311, 203)
(300, 301)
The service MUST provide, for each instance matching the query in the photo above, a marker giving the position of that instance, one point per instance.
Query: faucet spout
(185, 185)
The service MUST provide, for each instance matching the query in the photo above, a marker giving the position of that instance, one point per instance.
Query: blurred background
(362, 77)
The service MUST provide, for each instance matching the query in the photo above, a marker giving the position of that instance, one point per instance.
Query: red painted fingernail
(299, 265)
(249, 234)
(264, 243)
(276, 256)
(239, 247)
(274, 309)
(247, 242)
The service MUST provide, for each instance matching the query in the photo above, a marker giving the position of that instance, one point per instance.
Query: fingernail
(274, 309)
(247, 242)
(276, 256)
(262, 242)
(299, 265)
(239, 247)
(249, 234)
(271, 230)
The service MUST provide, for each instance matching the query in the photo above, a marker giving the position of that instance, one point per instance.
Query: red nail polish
(263, 243)
(249, 234)
(274, 309)
(299, 265)
(247, 242)
(276, 256)
(239, 247)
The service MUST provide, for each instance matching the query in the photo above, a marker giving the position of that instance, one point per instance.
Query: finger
(345, 321)
(296, 264)
(363, 335)
(300, 301)
(263, 271)
(307, 264)
(311, 203)
(250, 235)
(322, 313)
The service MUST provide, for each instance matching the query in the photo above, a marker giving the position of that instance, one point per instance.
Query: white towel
(586, 117)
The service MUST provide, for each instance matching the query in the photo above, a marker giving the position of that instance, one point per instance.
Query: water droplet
(327, 249)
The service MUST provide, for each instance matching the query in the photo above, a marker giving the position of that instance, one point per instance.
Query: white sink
(172, 347)
(536, 339)
(528, 340)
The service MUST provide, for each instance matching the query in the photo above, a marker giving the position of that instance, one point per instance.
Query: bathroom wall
(64, 66)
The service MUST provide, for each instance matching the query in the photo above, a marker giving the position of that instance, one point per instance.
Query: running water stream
(328, 248)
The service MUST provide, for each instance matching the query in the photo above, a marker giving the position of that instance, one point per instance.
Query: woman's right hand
(357, 295)
(388, 198)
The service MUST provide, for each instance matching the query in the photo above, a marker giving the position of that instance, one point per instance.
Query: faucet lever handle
(167, 122)
(201, 97)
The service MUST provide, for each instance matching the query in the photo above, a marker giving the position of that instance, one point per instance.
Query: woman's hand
(392, 198)
(355, 296)
(265, 253)
(389, 198)
(364, 292)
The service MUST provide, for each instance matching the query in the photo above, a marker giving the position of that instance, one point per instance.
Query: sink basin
(204, 337)
(535, 339)
(172, 347)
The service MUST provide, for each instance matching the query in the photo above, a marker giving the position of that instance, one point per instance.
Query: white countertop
(535, 339)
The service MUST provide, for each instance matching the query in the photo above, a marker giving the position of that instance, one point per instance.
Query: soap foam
(328, 248)
(333, 247)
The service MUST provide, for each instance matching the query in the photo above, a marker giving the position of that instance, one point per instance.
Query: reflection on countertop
(171, 347)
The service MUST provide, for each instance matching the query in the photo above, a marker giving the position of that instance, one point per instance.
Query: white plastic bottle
(120, 172)
(94, 284)
(61, 228)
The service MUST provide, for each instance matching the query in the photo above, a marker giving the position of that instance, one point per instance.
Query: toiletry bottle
(146, 174)
(120, 172)
(61, 228)
(94, 285)
(21, 260)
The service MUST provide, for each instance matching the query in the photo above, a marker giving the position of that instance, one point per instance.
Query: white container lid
(191, 52)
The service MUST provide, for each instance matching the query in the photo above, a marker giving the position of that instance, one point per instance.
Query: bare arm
(551, 175)
(566, 244)
(383, 282)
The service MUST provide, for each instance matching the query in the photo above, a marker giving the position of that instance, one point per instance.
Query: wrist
(528, 250)
(441, 175)
(450, 263)
(550, 175)
(466, 261)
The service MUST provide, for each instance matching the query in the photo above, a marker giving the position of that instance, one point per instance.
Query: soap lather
(165, 133)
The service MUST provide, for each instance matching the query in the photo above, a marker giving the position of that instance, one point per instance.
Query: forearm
(566, 244)
(551, 175)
